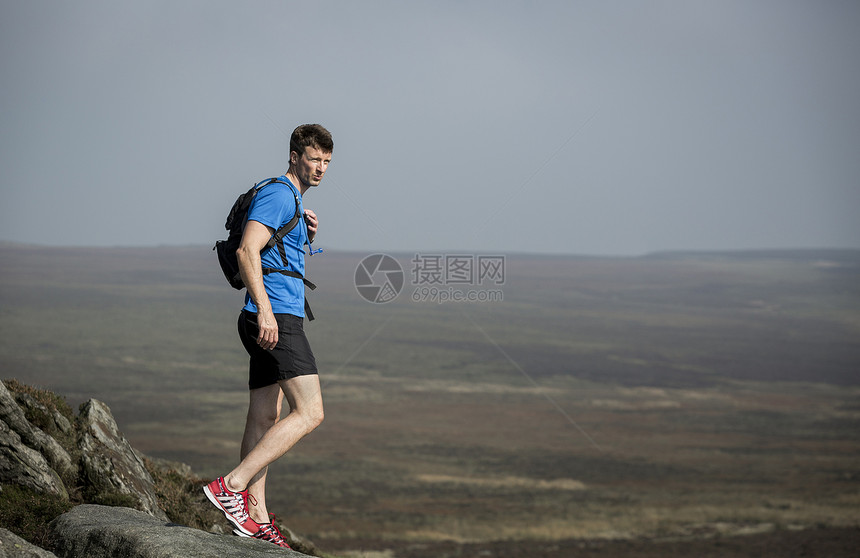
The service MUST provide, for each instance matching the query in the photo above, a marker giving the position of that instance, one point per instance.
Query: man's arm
(254, 239)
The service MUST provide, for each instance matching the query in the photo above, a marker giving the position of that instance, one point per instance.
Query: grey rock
(13, 546)
(24, 466)
(61, 423)
(109, 463)
(106, 532)
(12, 415)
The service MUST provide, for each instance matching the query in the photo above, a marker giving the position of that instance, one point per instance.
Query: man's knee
(305, 399)
(316, 416)
(263, 418)
(313, 415)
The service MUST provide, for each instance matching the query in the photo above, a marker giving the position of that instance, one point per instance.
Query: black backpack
(226, 249)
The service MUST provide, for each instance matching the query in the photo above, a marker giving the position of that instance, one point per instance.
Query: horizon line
(516, 253)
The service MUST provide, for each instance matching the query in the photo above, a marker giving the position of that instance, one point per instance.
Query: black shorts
(291, 357)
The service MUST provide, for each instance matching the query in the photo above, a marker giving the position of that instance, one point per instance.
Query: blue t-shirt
(274, 206)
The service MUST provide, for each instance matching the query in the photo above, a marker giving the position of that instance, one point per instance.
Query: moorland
(671, 399)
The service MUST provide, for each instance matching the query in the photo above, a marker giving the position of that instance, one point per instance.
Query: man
(282, 365)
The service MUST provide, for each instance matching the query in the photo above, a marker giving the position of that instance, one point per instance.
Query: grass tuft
(47, 398)
(180, 495)
(27, 512)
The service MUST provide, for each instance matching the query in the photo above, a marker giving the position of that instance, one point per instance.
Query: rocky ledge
(110, 532)
(113, 532)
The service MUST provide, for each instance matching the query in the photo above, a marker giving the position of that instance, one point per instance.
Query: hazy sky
(615, 128)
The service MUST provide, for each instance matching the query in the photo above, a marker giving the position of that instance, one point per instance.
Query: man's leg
(306, 413)
(264, 411)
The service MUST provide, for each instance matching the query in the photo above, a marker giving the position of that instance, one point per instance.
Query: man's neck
(296, 182)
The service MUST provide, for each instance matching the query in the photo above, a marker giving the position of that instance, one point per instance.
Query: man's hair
(311, 135)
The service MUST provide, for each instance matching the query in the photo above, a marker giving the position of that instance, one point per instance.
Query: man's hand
(313, 223)
(267, 338)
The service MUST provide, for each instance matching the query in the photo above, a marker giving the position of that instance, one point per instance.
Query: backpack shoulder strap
(284, 230)
(279, 235)
(290, 225)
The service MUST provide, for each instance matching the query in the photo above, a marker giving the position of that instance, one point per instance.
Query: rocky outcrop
(109, 532)
(109, 463)
(23, 451)
(95, 464)
(57, 457)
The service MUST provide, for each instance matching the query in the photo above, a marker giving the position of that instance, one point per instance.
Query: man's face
(311, 165)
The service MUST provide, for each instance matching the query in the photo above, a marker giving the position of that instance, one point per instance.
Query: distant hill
(844, 256)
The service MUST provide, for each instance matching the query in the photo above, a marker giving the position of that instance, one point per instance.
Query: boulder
(18, 432)
(13, 546)
(11, 414)
(109, 465)
(26, 467)
(109, 532)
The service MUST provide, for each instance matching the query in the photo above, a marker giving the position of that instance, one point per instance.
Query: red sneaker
(269, 533)
(233, 504)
